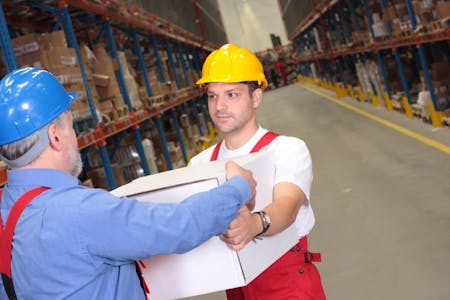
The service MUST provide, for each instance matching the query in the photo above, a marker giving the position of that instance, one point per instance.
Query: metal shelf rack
(341, 24)
(122, 26)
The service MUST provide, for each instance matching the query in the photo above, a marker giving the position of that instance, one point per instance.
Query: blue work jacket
(74, 242)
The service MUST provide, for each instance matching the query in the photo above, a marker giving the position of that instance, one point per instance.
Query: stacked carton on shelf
(132, 87)
(443, 9)
(111, 103)
(50, 51)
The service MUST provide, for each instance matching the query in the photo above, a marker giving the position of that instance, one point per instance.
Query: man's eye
(211, 97)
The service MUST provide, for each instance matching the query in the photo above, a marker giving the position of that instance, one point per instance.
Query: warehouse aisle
(381, 197)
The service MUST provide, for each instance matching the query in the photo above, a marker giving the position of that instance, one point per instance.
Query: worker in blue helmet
(66, 241)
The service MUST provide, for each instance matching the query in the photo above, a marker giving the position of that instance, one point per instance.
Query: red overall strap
(240, 292)
(215, 153)
(139, 266)
(264, 141)
(6, 234)
(268, 137)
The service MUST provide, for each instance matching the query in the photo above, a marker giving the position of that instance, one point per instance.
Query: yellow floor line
(407, 132)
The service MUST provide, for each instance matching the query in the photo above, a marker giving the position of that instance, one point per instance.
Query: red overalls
(292, 276)
(6, 236)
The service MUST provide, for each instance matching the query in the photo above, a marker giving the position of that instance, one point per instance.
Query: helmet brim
(72, 96)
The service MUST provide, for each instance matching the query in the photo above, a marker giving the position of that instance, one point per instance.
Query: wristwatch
(265, 219)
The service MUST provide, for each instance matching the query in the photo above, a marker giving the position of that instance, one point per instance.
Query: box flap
(189, 174)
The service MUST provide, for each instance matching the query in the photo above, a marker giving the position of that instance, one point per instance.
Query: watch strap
(265, 221)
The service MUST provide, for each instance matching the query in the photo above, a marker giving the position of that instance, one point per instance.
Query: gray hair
(24, 151)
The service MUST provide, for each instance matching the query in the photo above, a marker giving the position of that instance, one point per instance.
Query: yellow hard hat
(231, 63)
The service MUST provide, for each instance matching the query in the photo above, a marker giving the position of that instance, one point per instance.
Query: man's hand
(233, 169)
(242, 229)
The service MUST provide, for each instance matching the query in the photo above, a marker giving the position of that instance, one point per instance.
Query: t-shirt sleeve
(293, 162)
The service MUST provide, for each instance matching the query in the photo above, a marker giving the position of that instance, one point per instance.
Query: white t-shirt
(292, 164)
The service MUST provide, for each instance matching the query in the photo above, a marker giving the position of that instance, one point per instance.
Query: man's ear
(257, 97)
(54, 135)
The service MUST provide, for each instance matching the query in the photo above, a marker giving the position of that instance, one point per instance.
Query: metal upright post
(158, 58)
(344, 20)
(197, 61)
(166, 153)
(353, 14)
(5, 40)
(125, 95)
(72, 41)
(402, 75)
(205, 113)
(178, 133)
(379, 57)
(172, 64)
(190, 60)
(183, 64)
(425, 67)
(340, 41)
(184, 107)
(349, 73)
(196, 116)
(118, 71)
(137, 49)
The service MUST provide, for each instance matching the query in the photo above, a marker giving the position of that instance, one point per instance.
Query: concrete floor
(381, 197)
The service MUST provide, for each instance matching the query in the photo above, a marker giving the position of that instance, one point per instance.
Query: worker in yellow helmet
(234, 80)
(74, 242)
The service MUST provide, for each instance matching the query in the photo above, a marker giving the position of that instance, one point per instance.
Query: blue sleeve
(127, 229)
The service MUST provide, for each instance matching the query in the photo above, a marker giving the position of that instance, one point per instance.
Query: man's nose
(221, 103)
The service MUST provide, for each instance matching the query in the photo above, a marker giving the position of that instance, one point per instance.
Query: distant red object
(280, 66)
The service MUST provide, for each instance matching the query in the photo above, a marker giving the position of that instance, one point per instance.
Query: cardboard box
(443, 9)
(212, 266)
(100, 79)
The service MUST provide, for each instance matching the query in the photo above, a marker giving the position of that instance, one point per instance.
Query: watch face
(266, 219)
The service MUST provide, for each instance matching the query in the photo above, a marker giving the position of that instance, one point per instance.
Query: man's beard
(75, 162)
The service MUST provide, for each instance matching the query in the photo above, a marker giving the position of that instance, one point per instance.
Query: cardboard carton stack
(361, 38)
(191, 135)
(398, 17)
(110, 98)
(132, 87)
(161, 91)
(379, 27)
(50, 51)
(443, 9)
(425, 11)
(176, 156)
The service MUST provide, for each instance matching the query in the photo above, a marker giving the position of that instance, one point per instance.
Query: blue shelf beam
(138, 51)
(204, 112)
(125, 95)
(196, 116)
(158, 58)
(6, 45)
(162, 137)
(182, 62)
(179, 135)
(423, 59)
(72, 42)
(172, 63)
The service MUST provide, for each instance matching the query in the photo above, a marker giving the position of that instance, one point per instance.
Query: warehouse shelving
(346, 33)
(123, 26)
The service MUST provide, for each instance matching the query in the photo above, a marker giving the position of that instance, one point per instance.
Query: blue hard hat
(30, 98)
